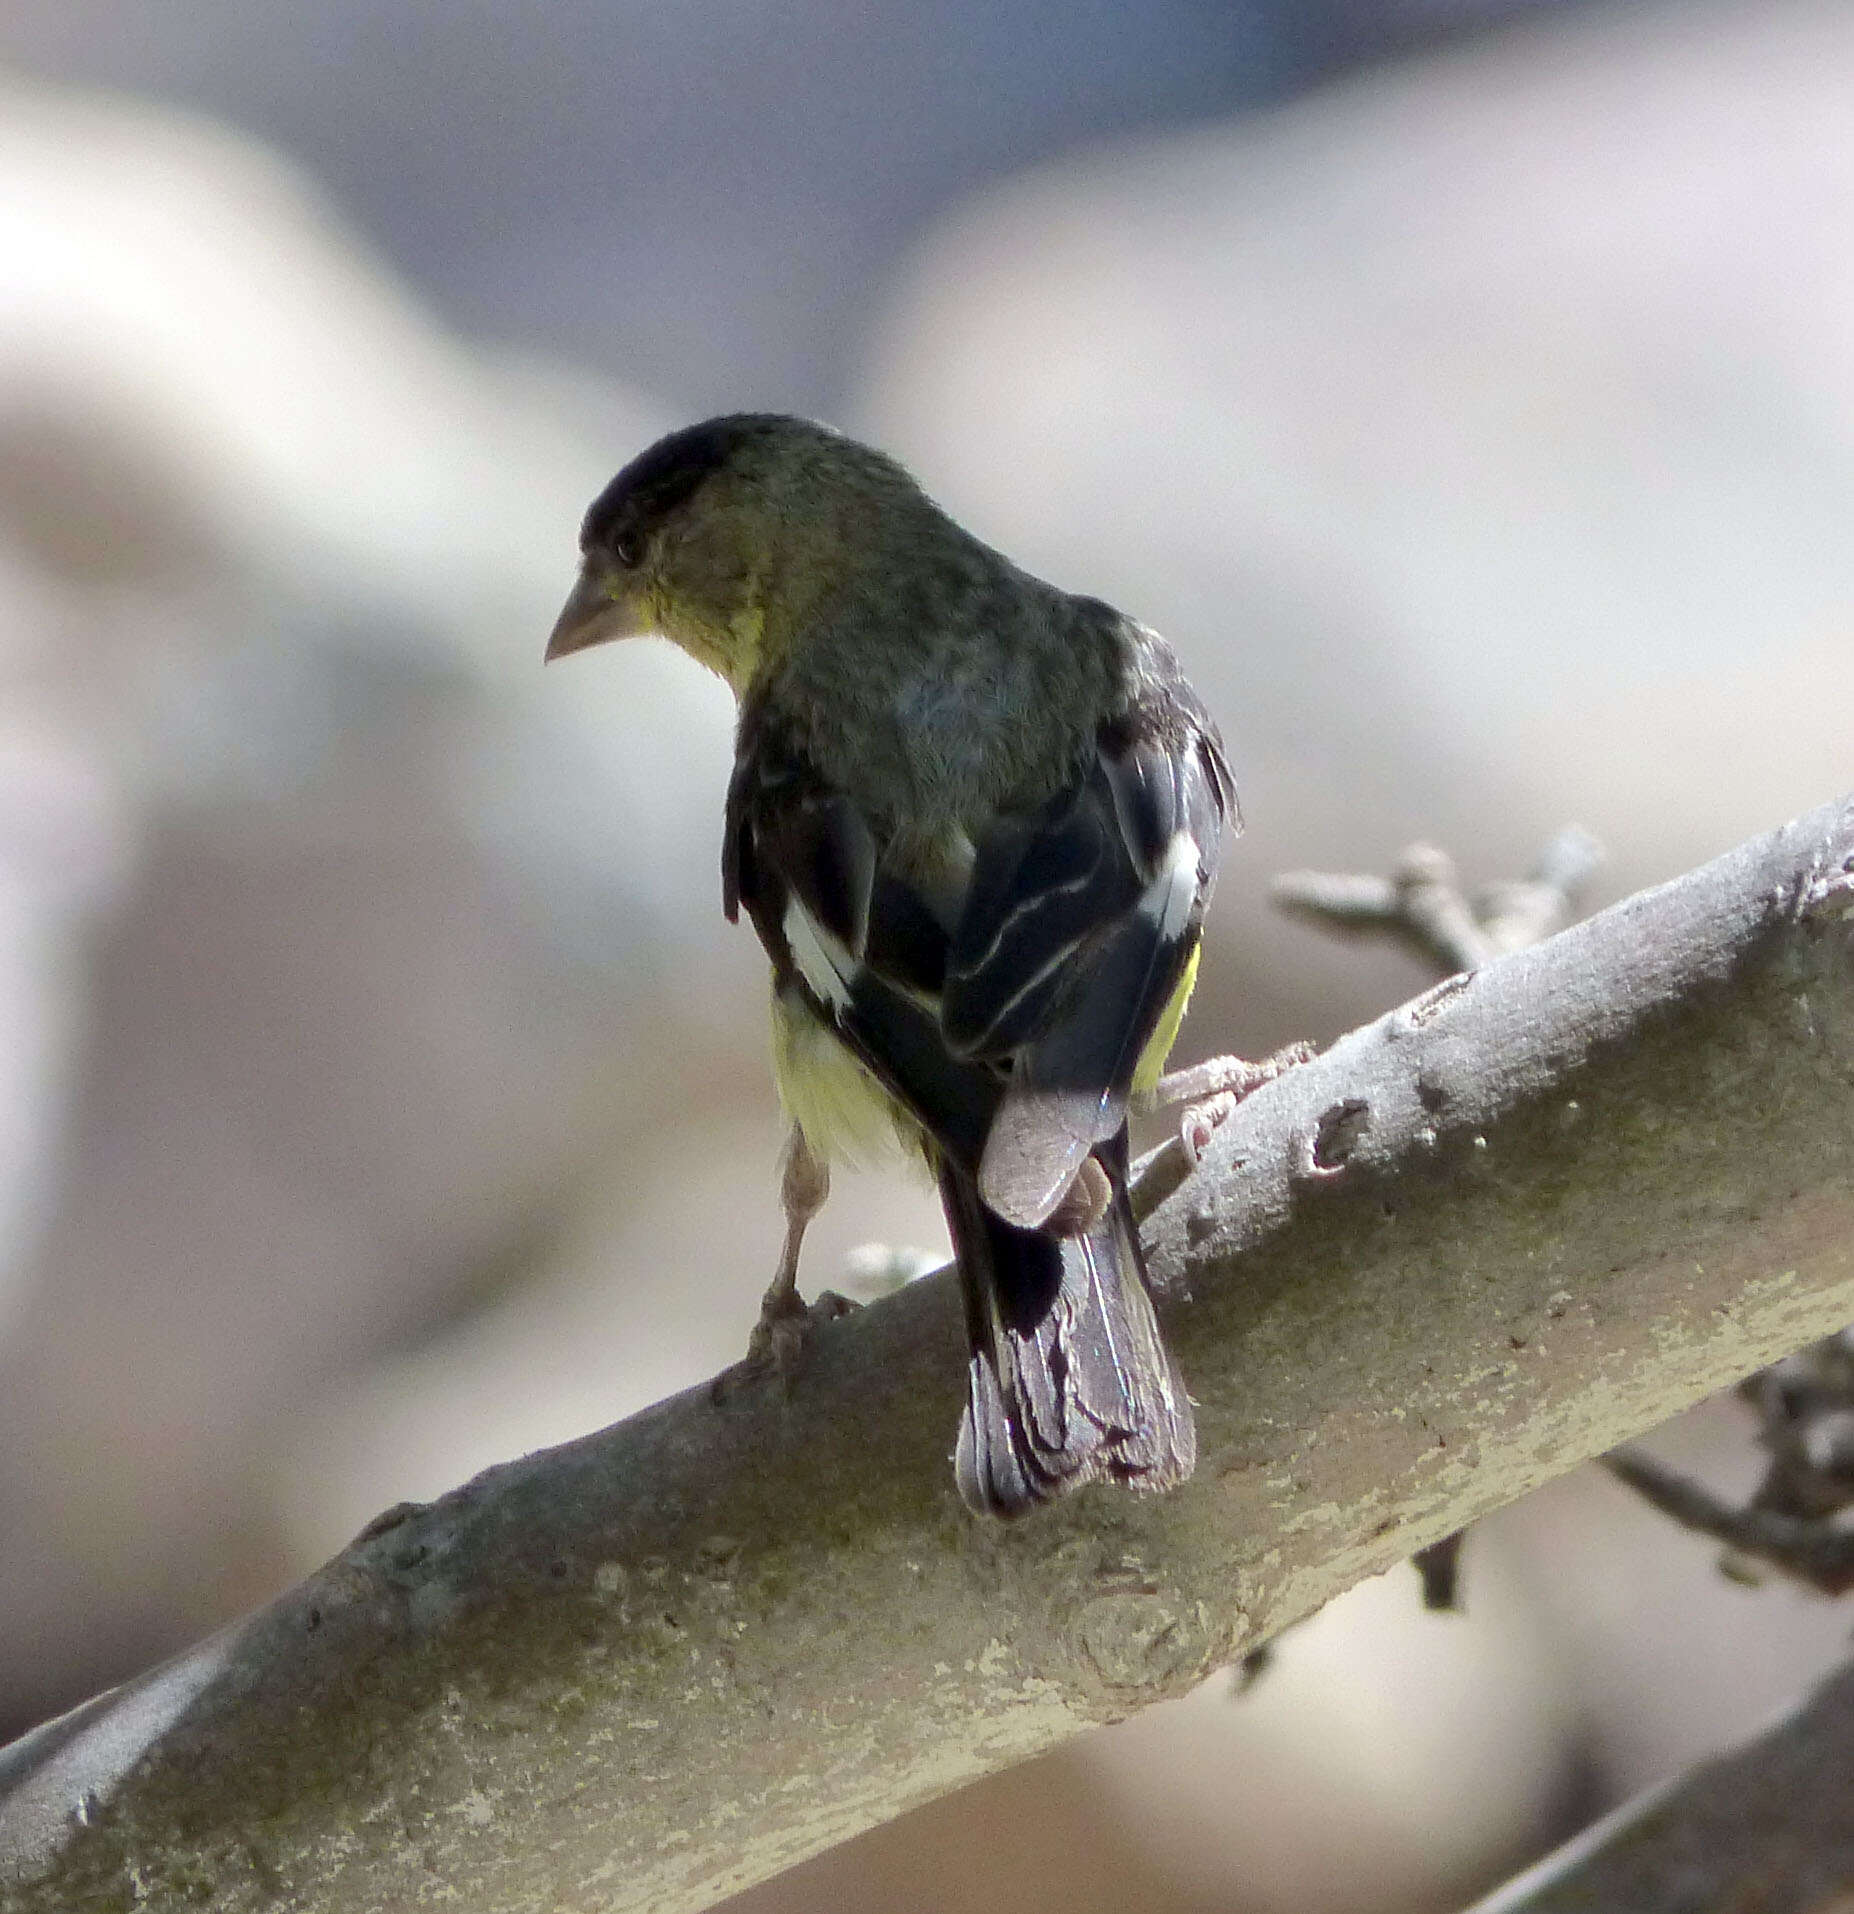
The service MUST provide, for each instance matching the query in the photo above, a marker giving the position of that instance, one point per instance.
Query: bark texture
(1502, 1229)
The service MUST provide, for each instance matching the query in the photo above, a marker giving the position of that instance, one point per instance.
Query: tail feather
(1069, 1380)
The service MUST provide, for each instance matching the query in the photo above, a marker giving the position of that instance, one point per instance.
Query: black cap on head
(663, 478)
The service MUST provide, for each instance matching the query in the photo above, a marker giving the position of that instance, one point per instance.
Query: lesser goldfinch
(975, 821)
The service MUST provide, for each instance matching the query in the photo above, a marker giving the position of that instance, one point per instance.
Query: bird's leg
(1210, 1090)
(804, 1188)
(778, 1338)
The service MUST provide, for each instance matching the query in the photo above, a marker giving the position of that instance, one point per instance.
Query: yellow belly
(846, 1115)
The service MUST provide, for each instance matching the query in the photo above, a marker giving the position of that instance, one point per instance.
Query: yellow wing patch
(1165, 1033)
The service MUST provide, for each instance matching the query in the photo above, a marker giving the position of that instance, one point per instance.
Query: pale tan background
(381, 1094)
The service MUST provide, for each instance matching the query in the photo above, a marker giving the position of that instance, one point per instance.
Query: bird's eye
(628, 548)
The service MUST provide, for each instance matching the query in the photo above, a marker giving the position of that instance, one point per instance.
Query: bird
(975, 821)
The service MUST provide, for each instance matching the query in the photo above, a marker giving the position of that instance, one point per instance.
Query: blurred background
(1466, 389)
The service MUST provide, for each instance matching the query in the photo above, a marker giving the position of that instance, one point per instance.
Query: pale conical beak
(592, 616)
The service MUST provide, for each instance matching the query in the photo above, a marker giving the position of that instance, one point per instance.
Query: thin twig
(1423, 907)
(1803, 1547)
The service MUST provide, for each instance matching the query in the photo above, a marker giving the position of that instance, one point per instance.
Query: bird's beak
(592, 615)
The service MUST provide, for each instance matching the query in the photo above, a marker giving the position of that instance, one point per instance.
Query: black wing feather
(1041, 893)
(1153, 797)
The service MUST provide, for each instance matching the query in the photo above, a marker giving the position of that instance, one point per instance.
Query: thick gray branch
(1496, 1232)
(1766, 1827)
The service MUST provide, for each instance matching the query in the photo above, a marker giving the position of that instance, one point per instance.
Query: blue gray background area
(706, 197)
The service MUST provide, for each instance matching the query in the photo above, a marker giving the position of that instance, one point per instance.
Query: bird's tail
(1069, 1380)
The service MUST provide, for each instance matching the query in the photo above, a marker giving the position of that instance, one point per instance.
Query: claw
(1200, 1123)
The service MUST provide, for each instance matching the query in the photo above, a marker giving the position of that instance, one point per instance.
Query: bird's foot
(1083, 1203)
(1199, 1122)
(1209, 1092)
(1218, 1077)
(782, 1334)
(777, 1347)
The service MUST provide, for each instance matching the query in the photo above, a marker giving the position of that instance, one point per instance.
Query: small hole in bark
(1338, 1133)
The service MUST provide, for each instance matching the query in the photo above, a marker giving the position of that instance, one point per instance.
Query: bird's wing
(1008, 1017)
(864, 943)
(1074, 939)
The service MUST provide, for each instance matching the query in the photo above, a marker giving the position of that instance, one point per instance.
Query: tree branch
(1765, 1827)
(1527, 1216)
(1808, 1548)
(1422, 906)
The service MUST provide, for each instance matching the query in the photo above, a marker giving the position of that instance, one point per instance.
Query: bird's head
(723, 536)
